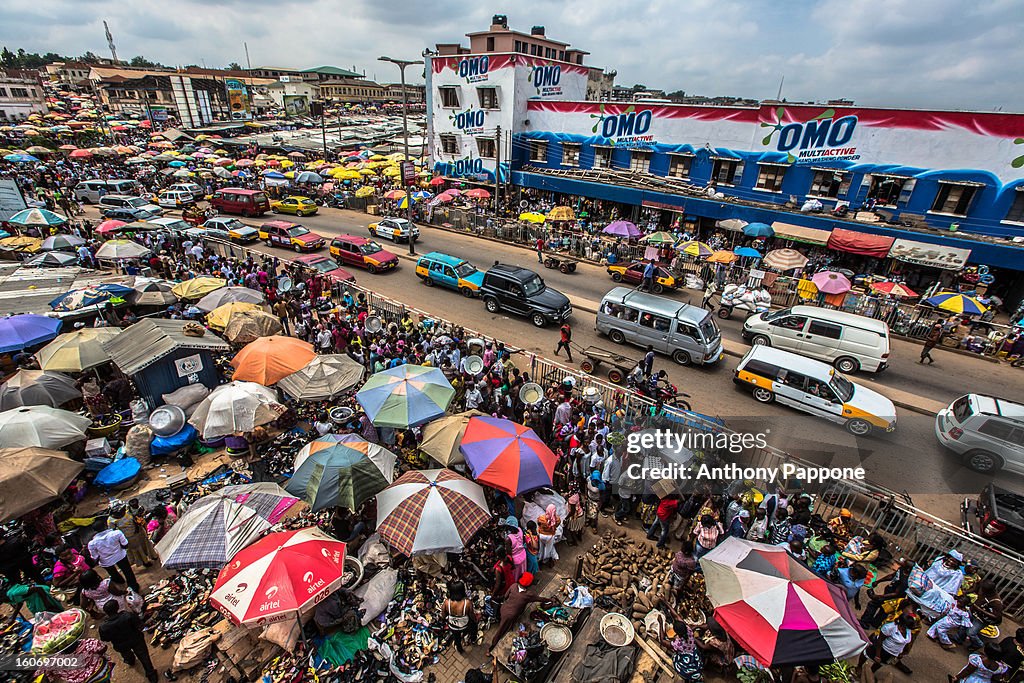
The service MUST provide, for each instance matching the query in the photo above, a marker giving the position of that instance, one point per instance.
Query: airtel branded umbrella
(785, 259)
(37, 388)
(19, 331)
(622, 229)
(211, 532)
(695, 248)
(270, 359)
(77, 351)
(430, 511)
(776, 608)
(344, 472)
(323, 377)
(406, 396)
(279, 577)
(41, 426)
(758, 230)
(31, 477)
(894, 289)
(442, 438)
(507, 456)
(830, 282)
(957, 303)
(227, 295)
(235, 408)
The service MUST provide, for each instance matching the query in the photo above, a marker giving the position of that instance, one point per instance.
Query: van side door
(787, 332)
(820, 340)
(686, 336)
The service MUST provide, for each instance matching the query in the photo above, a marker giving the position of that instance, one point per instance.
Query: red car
(633, 273)
(359, 251)
(325, 265)
(290, 236)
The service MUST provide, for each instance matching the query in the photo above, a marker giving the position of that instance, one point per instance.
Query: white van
(90, 191)
(850, 342)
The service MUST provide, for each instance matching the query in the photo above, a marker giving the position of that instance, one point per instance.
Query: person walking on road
(540, 250)
(649, 269)
(123, 630)
(930, 342)
(709, 291)
(564, 343)
(647, 364)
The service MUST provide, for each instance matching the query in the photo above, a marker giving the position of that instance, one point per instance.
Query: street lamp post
(402, 63)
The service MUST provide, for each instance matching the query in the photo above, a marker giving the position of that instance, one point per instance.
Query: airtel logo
(271, 592)
(241, 587)
(308, 577)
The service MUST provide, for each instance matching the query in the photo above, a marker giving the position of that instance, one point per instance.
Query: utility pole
(402, 63)
(497, 171)
(323, 129)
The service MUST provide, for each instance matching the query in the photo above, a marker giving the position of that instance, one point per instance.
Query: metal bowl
(616, 629)
(167, 420)
(557, 637)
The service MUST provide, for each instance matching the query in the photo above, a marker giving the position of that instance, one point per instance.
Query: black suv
(997, 515)
(522, 291)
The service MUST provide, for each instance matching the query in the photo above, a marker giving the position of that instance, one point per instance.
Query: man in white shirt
(109, 549)
(473, 397)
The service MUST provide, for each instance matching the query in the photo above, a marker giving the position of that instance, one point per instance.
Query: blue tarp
(162, 445)
(118, 472)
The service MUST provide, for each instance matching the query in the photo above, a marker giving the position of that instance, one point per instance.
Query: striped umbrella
(343, 474)
(895, 289)
(957, 303)
(776, 608)
(405, 396)
(659, 238)
(785, 259)
(279, 577)
(37, 217)
(695, 248)
(430, 511)
(507, 456)
(210, 533)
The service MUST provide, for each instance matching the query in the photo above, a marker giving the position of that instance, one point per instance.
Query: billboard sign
(296, 105)
(238, 99)
(932, 255)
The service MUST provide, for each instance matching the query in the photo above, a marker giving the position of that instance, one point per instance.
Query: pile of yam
(615, 567)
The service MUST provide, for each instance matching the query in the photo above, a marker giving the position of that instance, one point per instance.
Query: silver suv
(986, 432)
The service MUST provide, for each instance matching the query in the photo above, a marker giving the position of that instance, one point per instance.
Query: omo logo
(460, 167)
(473, 67)
(823, 131)
(546, 75)
(465, 120)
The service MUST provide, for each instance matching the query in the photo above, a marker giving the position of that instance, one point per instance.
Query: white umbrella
(324, 377)
(37, 387)
(41, 426)
(209, 534)
(235, 408)
(121, 249)
(227, 295)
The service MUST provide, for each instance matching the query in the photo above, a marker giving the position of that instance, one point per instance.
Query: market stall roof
(862, 243)
(799, 233)
(147, 341)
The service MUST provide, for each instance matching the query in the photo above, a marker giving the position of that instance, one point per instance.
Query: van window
(449, 272)
(825, 329)
(1000, 430)
(793, 379)
(630, 315)
(436, 266)
(791, 322)
(709, 329)
(687, 330)
(820, 389)
(655, 322)
(761, 369)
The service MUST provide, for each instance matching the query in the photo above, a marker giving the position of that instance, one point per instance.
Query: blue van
(449, 271)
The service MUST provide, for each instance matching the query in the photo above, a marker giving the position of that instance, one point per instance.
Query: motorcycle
(667, 394)
(743, 298)
(1018, 362)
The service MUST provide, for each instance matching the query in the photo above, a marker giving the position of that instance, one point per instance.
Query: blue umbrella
(177, 164)
(37, 217)
(21, 158)
(403, 203)
(747, 251)
(19, 331)
(273, 174)
(4, 233)
(758, 230)
(405, 396)
(80, 298)
(421, 194)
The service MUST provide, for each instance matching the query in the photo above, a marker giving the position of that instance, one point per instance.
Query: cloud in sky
(940, 53)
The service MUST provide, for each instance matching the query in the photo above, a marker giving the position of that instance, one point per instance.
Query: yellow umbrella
(364, 192)
(377, 157)
(219, 317)
(197, 287)
(561, 213)
(532, 217)
(21, 243)
(391, 172)
(77, 351)
(287, 164)
(722, 256)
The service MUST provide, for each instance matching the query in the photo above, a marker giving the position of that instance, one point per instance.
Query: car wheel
(681, 357)
(428, 281)
(492, 305)
(847, 365)
(982, 461)
(763, 395)
(616, 277)
(858, 427)
(268, 243)
(760, 340)
(724, 312)
(658, 288)
(617, 336)
(466, 292)
(539, 320)
(297, 248)
(274, 209)
(371, 269)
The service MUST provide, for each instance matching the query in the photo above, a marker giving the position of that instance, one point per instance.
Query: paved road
(910, 459)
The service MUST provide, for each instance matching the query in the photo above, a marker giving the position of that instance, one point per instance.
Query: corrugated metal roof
(147, 341)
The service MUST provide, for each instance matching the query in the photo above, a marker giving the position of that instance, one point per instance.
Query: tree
(139, 60)
(8, 58)
(637, 87)
(90, 58)
(234, 66)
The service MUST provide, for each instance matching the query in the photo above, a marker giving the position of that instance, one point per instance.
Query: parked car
(394, 229)
(173, 225)
(996, 514)
(240, 201)
(850, 342)
(127, 214)
(633, 273)
(986, 432)
(296, 206)
(90, 191)
(290, 236)
(362, 253)
(449, 271)
(236, 230)
(325, 265)
(113, 202)
(192, 189)
(523, 292)
(174, 199)
(814, 387)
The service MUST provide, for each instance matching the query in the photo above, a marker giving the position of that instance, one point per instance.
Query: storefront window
(639, 162)
(954, 199)
(538, 150)
(570, 154)
(726, 171)
(679, 165)
(769, 177)
(826, 183)
(886, 189)
(1016, 212)
(602, 157)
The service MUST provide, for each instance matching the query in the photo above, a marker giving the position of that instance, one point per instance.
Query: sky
(944, 54)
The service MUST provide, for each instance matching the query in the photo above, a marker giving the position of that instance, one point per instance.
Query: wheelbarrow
(620, 366)
(563, 265)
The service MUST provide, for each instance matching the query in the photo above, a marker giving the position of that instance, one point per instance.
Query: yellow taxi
(296, 206)
(633, 273)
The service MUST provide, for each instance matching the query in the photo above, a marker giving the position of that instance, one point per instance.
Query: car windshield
(297, 231)
(465, 269)
(768, 317)
(137, 202)
(234, 224)
(843, 387)
(177, 225)
(533, 286)
(708, 329)
(324, 265)
(370, 248)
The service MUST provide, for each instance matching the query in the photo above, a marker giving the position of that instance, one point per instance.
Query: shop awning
(860, 243)
(932, 255)
(799, 233)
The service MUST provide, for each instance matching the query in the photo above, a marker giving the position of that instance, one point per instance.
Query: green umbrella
(405, 396)
(341, 471)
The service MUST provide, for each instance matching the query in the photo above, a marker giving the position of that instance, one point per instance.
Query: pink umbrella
(110, 226)
(454, 192)
(829, 282)
(622, 229)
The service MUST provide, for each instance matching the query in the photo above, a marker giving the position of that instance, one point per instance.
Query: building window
(602, 157)
(826, 183)
(449, 144)
(570, 154)
(449, 97)
(535, 50)
(3, 92)
(1016, 212)
(726, 171)
(488, 97)
(539, 150)
(953, 198)
(518, 46)
(679, 165)
(486, 147)
(561, 55)
(639, 162)
(769, 177)
(490, 43)
(886, 189)
(19, 92)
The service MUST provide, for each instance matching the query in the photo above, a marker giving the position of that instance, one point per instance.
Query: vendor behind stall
(517, 600)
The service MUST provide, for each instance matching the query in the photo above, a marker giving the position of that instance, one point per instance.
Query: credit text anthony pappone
(730, 473)
(670, 442)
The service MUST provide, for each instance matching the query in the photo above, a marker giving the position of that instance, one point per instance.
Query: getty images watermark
(674, 445)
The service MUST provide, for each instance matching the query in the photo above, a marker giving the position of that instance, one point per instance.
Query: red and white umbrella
(279, 576)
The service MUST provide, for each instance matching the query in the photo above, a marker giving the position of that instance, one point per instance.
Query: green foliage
(837, 672)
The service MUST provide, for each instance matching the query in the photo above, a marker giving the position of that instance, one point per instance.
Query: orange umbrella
(722, 257)
(269, 359)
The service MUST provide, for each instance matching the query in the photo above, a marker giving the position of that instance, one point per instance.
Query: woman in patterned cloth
(575, 519)
(133, 526)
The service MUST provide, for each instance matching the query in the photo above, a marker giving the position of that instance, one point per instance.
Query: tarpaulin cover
(860, 243)
(118, 472)
(162, 445)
